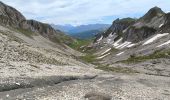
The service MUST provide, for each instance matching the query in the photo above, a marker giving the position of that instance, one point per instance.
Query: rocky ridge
(13, 18)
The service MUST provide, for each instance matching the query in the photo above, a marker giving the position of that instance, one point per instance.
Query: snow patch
(121, 46)
(7, 95)
(131, 45)
(109, 41)
(125, 45)
(161, 25)
(120, 53)
(166, 43)
(17, 83)
(155, 38)
(111, 35)
(116, 43)
(103, 56)
(106, 51)
(124, 31)
(100, 39)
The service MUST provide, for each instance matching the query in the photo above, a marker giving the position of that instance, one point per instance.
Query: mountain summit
(153, 12)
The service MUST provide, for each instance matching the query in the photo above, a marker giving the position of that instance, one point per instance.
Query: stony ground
(36, 69)
(102, 87)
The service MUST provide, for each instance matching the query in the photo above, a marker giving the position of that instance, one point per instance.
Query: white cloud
(83, 11)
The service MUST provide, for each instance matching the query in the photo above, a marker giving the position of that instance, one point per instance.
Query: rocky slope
(34, 67)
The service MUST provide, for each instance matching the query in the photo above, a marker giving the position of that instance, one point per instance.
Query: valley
(128, 61)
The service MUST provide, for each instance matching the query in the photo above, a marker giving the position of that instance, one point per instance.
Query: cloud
(77, 12)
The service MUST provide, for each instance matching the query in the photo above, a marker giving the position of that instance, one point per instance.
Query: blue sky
(77, 12)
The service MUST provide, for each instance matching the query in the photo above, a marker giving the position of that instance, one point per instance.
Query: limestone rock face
(117, 28)
(10, 16)
(166, 27)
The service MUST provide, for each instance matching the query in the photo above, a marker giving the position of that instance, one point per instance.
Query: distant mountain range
(82, 31)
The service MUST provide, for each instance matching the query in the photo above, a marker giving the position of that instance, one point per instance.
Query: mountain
(82, 31)
(117, 28)
(63, 28)
(146, 26)
(139, 43)
(11, 17)
(143, 28)
(135, 30)
(86, 34)
(83, 28)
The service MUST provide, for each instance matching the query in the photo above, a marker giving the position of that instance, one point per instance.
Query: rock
(10, 16)
(97, 96)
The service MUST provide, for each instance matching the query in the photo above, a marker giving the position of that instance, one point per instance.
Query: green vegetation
(87, 34)
(113, 50)
(117, 69)
(64, 39)
(155, 55)
(128, 20)
(90, 58)
(26, 32)
(79, 43)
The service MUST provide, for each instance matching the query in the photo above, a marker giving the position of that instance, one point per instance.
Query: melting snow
(166, 43)
(155, 38)
(108, 40)
(106, 51)
(119, 53)
(17, 83)
(116, 43)
(111, 35)
(161, 25)
(100, 39)
(7, 95)
(124, 31)
(131, 45)
(103, 56)
(123, 45)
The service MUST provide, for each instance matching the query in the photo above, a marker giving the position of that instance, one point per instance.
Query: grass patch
(117, 69)
(80, 43)
(155, 55)
(66, 39)
(90, 58)
(26, 32)
(113, 50)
